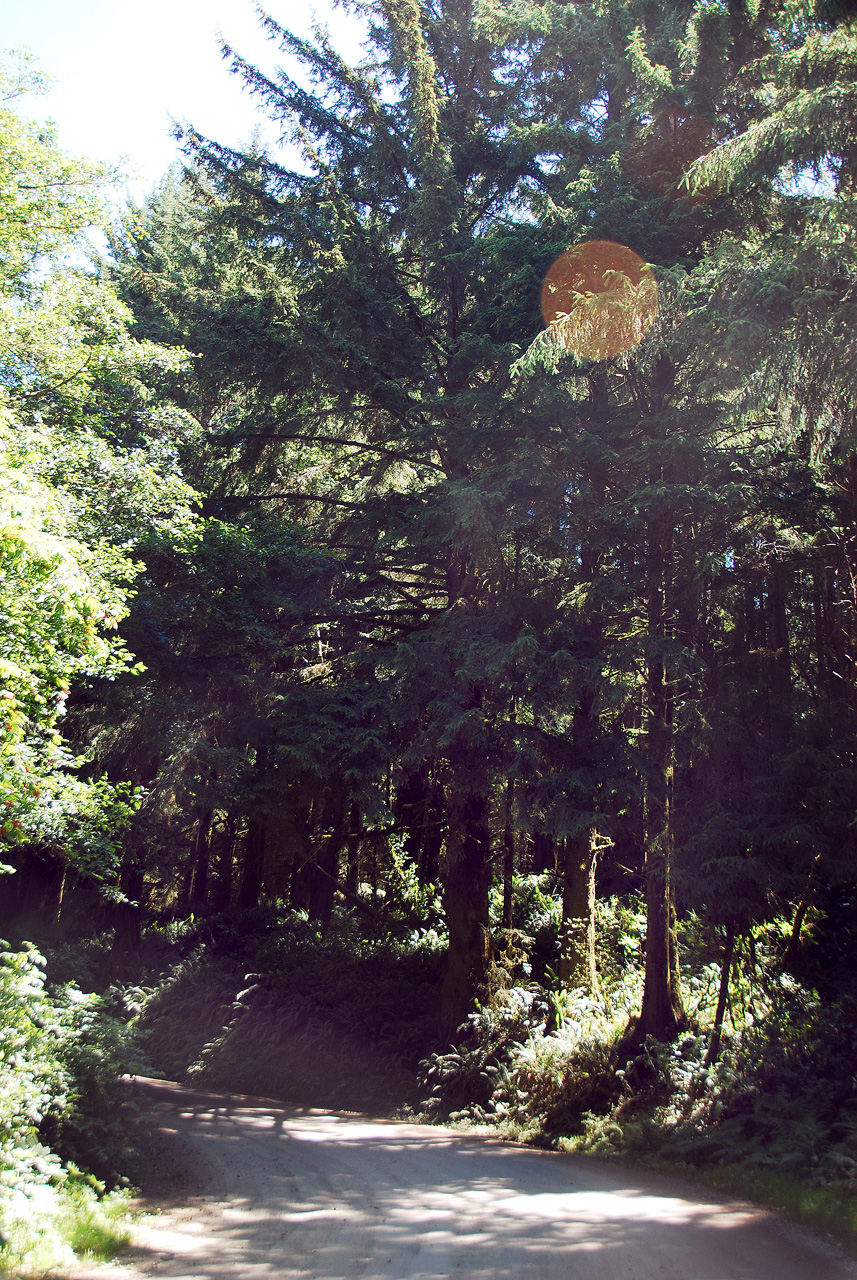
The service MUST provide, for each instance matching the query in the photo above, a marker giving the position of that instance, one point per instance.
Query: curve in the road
(305, 1195)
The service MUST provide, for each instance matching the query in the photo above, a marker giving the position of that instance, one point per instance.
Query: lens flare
(599, 299)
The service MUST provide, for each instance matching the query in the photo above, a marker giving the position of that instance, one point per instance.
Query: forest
(428, 576)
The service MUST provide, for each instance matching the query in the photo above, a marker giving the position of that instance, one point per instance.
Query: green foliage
(536, 1055)
(78, 486)
(59, 1059)
(33, 1079)
(808, 93)
(46, 198)
(55, 1226)
(359, 993)
(57, 601)
(775, 1114)
(773, 1117)
(420, 592)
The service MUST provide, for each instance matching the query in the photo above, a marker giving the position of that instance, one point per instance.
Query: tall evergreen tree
(537, 566)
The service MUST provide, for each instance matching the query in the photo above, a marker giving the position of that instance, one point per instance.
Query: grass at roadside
(54, 1227)
(828, 1209)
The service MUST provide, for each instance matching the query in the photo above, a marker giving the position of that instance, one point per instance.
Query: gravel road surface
(268, 1191)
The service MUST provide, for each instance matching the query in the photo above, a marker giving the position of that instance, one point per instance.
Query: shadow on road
(292, 1193)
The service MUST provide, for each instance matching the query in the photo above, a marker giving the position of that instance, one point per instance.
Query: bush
(59, 1057)
(51, 1224)
(96, 1129)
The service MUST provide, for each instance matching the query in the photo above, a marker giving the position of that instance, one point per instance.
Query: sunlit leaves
(46, 198)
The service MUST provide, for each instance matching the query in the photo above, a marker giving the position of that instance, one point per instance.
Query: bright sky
(121, 70)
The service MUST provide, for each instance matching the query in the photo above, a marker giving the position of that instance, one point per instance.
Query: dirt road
(282, 1193)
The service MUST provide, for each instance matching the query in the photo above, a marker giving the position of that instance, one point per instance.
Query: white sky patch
(122, 71)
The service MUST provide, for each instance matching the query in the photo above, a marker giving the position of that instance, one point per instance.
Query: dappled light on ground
(334, 1197)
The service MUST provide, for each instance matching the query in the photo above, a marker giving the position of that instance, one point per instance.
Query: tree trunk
(409, 813)
(792, 951)
(183, 900)
(199, 891)
(352, 874)
(542, 853)
(577, 932)
(662, 1014)
(254, 863)
(61, 893)
(675, 963)
(509, 853)
(129, 914)
(222, 895)
(466, 886)
(722, 997)
(578, 853)
(781, 674)
(324, 882)
(433, 831)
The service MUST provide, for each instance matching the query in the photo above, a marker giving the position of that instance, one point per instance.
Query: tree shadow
(320, 1196)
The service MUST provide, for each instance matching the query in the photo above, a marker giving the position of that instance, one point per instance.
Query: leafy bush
(464, 1076)
(96, 1128)
(532, 1054)
(49, 1225)
(509, 1069)
(780, 1100)
(59, 1056)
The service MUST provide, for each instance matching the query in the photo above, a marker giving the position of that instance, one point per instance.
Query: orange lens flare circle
(599, 299)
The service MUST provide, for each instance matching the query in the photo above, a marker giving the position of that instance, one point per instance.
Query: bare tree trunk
(509, 853)
(792, 951)
(183, 900)
(722, 997)
(465, 895)
(323, 886)
(61, 893)
(129, 914)
(352, 873)
(662, 1014)
(199, 891)
(225, 864)
(254, 863)
(781, 676)
(410, 813)
(675, 962)
(577, 932)
(433, 833)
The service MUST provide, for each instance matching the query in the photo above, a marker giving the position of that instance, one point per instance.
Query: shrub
(57, 1053)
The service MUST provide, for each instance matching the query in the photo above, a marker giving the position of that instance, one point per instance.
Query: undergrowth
(60, 1054)
(773, 1118)
(271, 1004)
(53, 1224)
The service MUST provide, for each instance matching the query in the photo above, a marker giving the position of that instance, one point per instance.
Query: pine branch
(325, 439)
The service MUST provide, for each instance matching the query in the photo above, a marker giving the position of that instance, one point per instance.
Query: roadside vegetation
(427, 603)
(270, 1005)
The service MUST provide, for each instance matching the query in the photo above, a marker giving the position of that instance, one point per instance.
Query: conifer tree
(662, 87)
(391, 433)
(537, 568)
